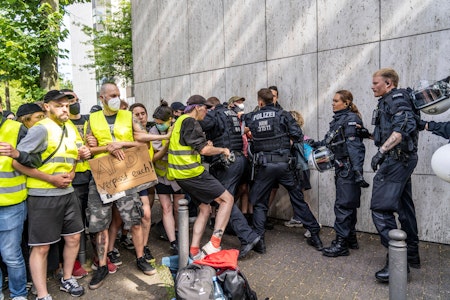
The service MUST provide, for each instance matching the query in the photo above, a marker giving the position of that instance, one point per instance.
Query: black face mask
(74, 109)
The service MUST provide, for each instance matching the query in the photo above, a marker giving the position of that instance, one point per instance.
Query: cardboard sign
(113, 176)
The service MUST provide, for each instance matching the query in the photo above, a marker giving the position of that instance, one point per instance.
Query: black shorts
(203, 188)
(164, 189)
(51, 217)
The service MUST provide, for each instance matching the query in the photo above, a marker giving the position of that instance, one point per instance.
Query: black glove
(377, 160)
(359, 179)
(422, 125)
(310, 142)
(363, 133)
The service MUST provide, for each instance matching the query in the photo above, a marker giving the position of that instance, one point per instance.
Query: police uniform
(13, 212)
(349, 152)
(440, 128)
(392, 190)
(223, 127)
(272, 130)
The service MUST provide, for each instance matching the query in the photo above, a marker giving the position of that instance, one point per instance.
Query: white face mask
(114, 104)
(240, 105)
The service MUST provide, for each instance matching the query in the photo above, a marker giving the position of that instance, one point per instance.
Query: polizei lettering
(264, 115)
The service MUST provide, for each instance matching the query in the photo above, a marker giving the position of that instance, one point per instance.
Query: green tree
(30, 31)
(112, 54)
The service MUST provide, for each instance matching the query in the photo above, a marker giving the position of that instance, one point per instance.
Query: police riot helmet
(434, 98)
(321, 159)
(440, 162)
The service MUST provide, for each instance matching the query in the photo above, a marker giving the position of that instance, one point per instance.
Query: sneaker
(174, 247)
(98, 278)
(148, 255)
(113, 258)
(307, 234)
(293, 223)
(20, 298)
(145, 267)
(112, 268)
(78, 270)
(126, 242)
(116, 252)
(48, 297)
(209, 249)
(72, 287)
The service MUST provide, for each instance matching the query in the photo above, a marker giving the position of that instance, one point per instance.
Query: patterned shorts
(100, 215)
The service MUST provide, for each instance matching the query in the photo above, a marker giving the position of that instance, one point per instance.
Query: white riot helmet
(440, 162)
(432, 99)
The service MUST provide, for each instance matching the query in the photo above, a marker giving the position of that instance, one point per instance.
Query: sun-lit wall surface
(309, 49)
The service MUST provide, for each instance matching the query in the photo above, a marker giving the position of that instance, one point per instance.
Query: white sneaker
(307, 234)
(206, 250)
(293, 223)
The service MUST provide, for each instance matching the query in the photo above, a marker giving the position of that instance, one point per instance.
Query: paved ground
(289, 270)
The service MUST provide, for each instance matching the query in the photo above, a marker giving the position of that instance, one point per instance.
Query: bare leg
(199, 225)
(116, 222)
(226, 202)
(168, 216)
(71, 248)
(137, 237)
(101, 242)
(38, 268)
(146, 219)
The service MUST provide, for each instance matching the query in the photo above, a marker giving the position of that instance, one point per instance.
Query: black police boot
(383, 274)
(352, 241)
(260, 246)
(414, 260)
(245, 248)
(338, 248)
(315, 241)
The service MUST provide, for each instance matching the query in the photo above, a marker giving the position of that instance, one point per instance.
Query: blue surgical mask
(162, 127)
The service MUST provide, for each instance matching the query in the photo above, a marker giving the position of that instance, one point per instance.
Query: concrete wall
(309, 49)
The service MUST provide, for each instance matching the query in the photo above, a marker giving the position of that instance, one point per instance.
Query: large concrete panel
(176, 88)
(173, 38)
(413, 17)
(291, 28)
(148, 93)
(296, 80)
(206, 44)
(145, 40)
(209, 84)
(245, 81)
(347, 23)
(245, 35)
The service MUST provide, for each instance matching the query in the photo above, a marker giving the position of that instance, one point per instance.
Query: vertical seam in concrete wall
(317, 100)
(379, 34)
(189, 47)
(265, 29)
(159, 46)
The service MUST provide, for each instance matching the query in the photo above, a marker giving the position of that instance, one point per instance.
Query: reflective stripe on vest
(123, 128)
(12, 183)
(184, 161)
(63, 160)
(82, 165)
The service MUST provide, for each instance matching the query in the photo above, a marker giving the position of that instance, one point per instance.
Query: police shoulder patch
(397, 95)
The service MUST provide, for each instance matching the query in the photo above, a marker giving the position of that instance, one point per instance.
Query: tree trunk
(48, 77)
(7, 98)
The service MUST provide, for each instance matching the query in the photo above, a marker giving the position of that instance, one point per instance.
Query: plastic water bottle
(218, 292)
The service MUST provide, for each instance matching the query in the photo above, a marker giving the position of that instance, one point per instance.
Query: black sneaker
(72, 287)
(174, 247)
(148, 255)
(99, 277)
(126, 242)
(114, 258)
(145, 267)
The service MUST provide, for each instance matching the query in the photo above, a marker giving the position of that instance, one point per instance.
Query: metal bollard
(82, 251)
(183, 233)
(398, 265)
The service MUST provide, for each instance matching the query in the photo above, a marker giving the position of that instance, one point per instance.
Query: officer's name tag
(107, 198)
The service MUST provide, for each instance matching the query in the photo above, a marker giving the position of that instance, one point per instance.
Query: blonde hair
(298, 118)
(388, 73)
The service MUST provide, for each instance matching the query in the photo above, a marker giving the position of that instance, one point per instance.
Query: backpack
(195, 282)
(235, 285)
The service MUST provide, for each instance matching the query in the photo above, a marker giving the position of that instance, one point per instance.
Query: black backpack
(235, 285)
(195, 282)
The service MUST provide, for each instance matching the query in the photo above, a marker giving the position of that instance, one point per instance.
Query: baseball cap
(234, 99)
(197, 99)
(28, 108)
(177, 106)
(55, 95)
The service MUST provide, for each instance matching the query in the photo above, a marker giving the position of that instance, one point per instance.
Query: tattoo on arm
(392, 141)
(136, 121)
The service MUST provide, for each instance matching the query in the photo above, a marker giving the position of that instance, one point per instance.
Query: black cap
(197, 99)
(55, 95)
(28, 108)
(177, 106)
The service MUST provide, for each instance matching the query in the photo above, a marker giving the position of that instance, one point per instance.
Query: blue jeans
(11, 227)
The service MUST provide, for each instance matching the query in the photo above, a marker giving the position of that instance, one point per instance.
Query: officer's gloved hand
(422, 125)
(359, 179)
(363, 133)
(377, 160)
(311, 142)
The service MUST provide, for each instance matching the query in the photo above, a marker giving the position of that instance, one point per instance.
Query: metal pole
(82, 251)
(183, 233)
(398, 268)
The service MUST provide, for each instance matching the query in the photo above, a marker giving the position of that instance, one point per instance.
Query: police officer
(223, 127)
(272, 130)
(349, 151)
(438, 128)
(396, 136)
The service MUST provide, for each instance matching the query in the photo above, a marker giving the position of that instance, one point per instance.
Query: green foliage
(112, 54)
